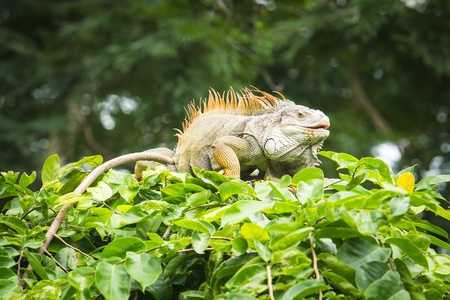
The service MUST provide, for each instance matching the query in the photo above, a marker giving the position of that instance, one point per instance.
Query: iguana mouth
(322, 125)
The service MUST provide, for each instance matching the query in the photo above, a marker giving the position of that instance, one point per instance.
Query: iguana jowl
(242, 132)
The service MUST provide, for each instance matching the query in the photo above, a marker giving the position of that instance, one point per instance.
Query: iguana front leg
(142, 165)
(231, 151)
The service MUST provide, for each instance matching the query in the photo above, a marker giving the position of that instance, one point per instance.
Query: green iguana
(243, 134)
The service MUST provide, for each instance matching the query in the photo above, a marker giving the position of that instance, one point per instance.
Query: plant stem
(70, 246)
(269, 282)
(313, 253)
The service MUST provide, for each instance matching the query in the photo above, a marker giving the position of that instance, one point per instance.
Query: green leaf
(144, 268)
(336, 232)
(228, 269)
(424, 224)
(285, 181)
(303, 289)
(6, 273)
(239, 244)
(374, 201)
(290, 257)
(174, 263)
(173, 212)
(71, 198)
(129, 192)
(433, 180)
(81, 282)
(292, 239)
(116, 180)
(421, 241)
(385, 289)
(253, 232)
(306, 175)
(372, 271)
(94, 161)
(9, 287)
(137, 213)
(409, 249)
(379, 165)
(119, 247)
(342, 159)
(342, 284)
(241, 210)
(71, 179)
(112, 281)
(101, 192)
(281, 193)
(36, 264)
(438, 242)
(420, 198)
(253, 274)
(234, 296)
(214, 177)
(357, 251)
(200, 241)
(399, 205)
(263, 251)
(415, 291)
(357, 180)
(198, 198)
(26, 180)
(181, 189)
(66, 257)
(312, 189)
(338, 267)
(228, 189)
(16, 224)
(50, 170)
(200, 225)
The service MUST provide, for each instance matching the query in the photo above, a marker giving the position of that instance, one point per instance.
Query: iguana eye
(301, 114)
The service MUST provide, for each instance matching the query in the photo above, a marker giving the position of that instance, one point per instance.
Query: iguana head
(295, 131)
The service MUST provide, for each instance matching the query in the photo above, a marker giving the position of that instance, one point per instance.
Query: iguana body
(241, 133)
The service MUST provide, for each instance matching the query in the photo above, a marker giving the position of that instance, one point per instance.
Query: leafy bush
(174, 235)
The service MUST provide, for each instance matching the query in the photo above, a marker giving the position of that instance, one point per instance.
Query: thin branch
(22, 285)
(34, 207)
(98, 295)
(167, 232)
(339, 180)
(104, 203)
(221, 238)
(57, 262)
(91, 178)
(70, 246)
(269, 80)
(192, 249)
(391, 264)
(269, 282)
(74, 226)
(314, 256)
(208, 204)
(361, 98)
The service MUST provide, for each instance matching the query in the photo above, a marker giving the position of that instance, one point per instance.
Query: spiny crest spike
(244, 102)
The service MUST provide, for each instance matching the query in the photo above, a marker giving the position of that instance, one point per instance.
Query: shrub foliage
(173, 235)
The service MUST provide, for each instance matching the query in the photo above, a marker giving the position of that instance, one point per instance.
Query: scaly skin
(275, 138)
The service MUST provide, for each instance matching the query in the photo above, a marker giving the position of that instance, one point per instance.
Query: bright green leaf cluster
(173, 235)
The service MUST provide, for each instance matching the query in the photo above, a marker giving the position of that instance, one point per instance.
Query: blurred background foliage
(108, 77)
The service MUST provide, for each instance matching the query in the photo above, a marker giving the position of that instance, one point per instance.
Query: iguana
(243, 134)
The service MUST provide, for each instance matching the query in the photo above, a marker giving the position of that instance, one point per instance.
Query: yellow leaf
(124, 208)
(406, 182)
(70, 198)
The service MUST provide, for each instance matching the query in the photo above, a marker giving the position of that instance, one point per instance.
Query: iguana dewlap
(242, 133)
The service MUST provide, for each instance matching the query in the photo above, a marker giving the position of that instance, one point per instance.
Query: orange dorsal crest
(231, 102)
